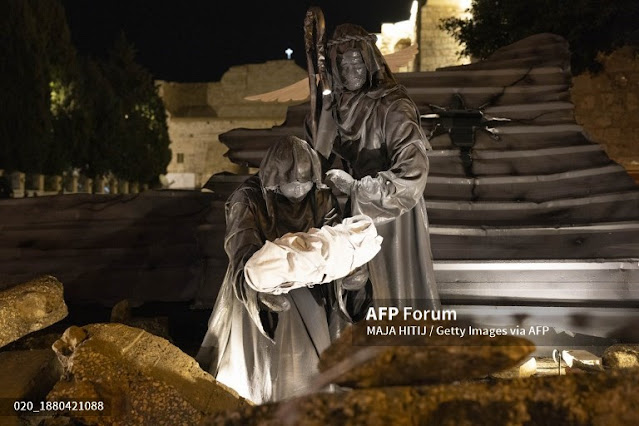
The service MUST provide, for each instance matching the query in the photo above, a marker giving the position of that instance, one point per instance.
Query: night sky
(198, 40)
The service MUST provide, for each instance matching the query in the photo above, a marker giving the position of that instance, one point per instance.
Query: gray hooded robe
(376, 131)
(263, 355)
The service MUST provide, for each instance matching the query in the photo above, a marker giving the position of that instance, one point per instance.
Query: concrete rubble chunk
(42, 339)
(582, 359)
(141, 378)
(122, 313)
(621, 356)
(603, 398)
(524, 369)
(547, 366)
(397, 360)
(29, 307)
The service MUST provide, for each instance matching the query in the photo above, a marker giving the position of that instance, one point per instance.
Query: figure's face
(352, 70)
(295, 191)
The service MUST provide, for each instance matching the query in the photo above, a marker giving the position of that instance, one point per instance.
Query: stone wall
(395, 36)
(200, 112)
(180, 97)
(198, 140)
(437, 47)
(607, 106)
(227, 95)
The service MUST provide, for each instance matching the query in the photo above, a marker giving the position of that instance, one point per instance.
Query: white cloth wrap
(303, 259)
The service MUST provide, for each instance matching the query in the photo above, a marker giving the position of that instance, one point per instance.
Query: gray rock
(621, 356)
(141, 378)
(29, 307)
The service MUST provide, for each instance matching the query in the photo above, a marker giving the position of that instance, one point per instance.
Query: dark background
(198, 40)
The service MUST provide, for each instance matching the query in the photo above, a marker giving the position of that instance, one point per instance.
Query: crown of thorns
(348, 38)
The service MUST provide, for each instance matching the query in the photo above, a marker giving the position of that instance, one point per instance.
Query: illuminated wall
(200, 112)
(399, 35)
(437, 47)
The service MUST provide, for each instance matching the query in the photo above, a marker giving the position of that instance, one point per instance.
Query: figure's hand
(341, 180)
(274, 302)
(356, 280)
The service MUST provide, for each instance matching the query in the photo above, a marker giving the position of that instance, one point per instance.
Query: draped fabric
(304, 259)
(377, 133)
(263, 355)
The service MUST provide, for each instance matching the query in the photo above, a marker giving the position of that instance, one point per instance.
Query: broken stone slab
(547, 366)
(604, 398)
(394, 360)
(158, 326)
(41, 339)
(523, 370)
(582, 359)
(29, 307)
(122, 313)
(621, 356)
(26, 376)
(141, 378)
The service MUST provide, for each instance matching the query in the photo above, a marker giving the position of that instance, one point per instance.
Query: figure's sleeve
(243, 238)
(324, 140)
(331, 214)
(396, 190)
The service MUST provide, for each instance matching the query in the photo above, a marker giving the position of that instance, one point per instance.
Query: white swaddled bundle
(303, 259)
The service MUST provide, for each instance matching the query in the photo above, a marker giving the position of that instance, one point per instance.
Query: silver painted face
(352, 70)
(295, 191)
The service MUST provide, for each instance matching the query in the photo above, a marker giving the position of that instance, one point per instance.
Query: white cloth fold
(303, 259)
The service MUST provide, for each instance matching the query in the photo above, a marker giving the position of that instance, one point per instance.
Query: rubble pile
(480, 380)
(126, 374)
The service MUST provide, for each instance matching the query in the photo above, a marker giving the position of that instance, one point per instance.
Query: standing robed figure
(368, 121)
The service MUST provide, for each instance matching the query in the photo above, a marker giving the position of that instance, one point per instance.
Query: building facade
(199, 112)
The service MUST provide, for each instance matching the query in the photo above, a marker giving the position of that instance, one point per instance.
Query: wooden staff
(315, 45)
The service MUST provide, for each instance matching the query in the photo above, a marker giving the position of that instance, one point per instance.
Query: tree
(143, 146)
(25, 121)
(39, 124)
(103, 115)
(590, 26)
(68, 121)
